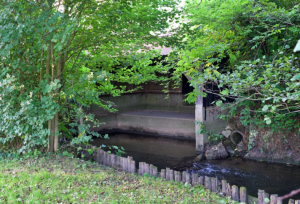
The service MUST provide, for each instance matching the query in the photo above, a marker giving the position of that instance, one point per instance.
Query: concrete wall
(144, 101)
(148, 112)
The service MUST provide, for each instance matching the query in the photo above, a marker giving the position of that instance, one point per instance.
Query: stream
(178, 154)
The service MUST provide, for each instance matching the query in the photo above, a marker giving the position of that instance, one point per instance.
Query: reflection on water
(159, 151)
(164, 152)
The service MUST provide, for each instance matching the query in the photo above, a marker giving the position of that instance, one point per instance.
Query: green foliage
(245, 48)
(212, 137)
(58, 58)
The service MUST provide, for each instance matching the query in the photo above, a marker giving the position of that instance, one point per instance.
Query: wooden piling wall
(222, 187)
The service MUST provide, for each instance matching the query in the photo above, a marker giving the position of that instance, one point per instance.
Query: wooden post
(151, 169)
(108, 159)
(208, 182)
(99, 155)
(125, 164)
(194, 179)
(266, 195)
(214, 184)
(183, 177)
(224, 187)
(228, 190)
(132, 166)
(147, 168)
(235, 193)
(154, 171)
(200, 180)
(291, 201)
(167, 174)
(177, 176)
(112, 160)
(163, 174)
(243, 194)
(104, 158)
(171, 175)
(188, 178)
(129, 158)
(140, 168)
(273, 199)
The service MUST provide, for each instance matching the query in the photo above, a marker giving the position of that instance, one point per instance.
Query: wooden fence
(211, 183)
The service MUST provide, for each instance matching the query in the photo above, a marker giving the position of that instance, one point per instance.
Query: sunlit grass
(59, 179)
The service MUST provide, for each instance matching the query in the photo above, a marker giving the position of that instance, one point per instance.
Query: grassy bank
(57, 179)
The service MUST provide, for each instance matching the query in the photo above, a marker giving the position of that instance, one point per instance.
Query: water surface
(179, 154)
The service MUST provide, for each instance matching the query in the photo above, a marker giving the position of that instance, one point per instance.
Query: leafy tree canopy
(58, 56)
(245, 48)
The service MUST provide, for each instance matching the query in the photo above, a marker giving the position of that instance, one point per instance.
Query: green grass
(57, 179)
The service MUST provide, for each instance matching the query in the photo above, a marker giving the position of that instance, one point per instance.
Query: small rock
(228, 128)
(240, 146)
(199, 158)
(229, 150)
(216, 152)
(226, 133)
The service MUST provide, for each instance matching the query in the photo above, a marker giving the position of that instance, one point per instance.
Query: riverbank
(58, 179)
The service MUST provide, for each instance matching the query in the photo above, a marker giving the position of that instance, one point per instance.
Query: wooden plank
(224, 187)
(154, 171)
(235, 193)
(140, 168)
(260, 197)
(228, 190)
(243, 194)
(171, 176)
(132, 166)
(266, 195)
(167, 174)
(99, 155)
(113, 160)
(183, 177)
(177, 176)
(129, 159)
(194, 179)
(151, 169)
(108, 159)
(104, 158)
(201, 180)
(208, 182)
(163, 174)
(187, 178)
(125, 164)
(147, 168)
(273, 199)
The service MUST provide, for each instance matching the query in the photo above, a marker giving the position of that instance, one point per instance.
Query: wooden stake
(243, 194)
(228, 191)
(200, 180)
(235, 193)
(163, 174)
(208, 182)
(224, 187)
(171, 176)
(194, 179)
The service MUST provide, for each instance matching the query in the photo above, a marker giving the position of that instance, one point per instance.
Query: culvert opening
(236, 137)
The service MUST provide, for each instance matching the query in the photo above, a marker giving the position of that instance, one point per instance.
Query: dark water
(178, 154)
